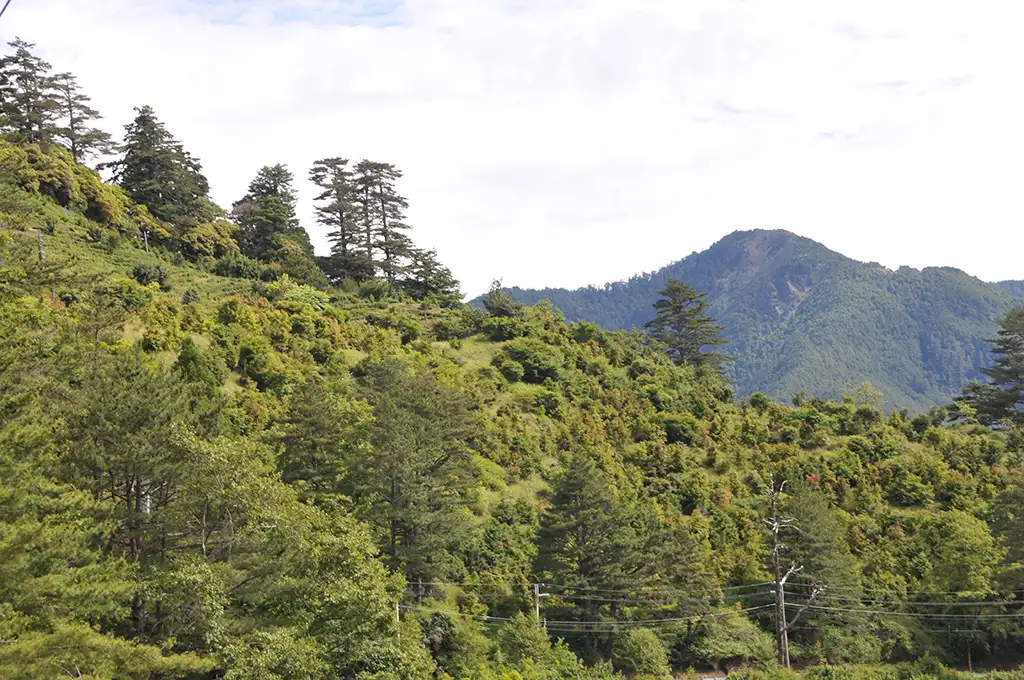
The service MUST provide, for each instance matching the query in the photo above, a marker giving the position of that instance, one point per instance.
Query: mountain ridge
(803, 318)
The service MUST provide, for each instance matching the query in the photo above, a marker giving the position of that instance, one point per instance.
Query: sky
(575, 142)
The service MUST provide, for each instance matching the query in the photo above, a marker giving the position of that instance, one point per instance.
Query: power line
(922, 615)
(4, 8)
(912, 603)
(859, 589)
(592, 626)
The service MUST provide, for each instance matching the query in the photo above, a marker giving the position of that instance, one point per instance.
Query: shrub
(238, 266)
(128, 294)
(679, 428)
(408, 328)
(466, 321)
(234, 310)
(146, 274)
(499, 303)
(540, 361)
(500, 328)
(640, 650)
(510, 369)
(374, 289)
(258, 361)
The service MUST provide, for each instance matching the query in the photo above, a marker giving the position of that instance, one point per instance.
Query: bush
(540, 361)
(374, 289)
(408, 328)
(680, 428)
(510, 369)
(466, 321)
(238, 266)
(128, 294)
(146, 274)
(500, 328)
(640, 650)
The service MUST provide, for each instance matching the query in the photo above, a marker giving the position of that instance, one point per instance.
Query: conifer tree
(155, 170)
(381, 211)
(684, 326)
(393, 243)
(29, 103)
(267, 212)
(426, 276)
(339, 214)
(82, 140)
(1003, 397)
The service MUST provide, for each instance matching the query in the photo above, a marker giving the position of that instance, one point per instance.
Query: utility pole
(39, 241)
(145, 238)
(776, 524)
(537, 595)
(398, 620)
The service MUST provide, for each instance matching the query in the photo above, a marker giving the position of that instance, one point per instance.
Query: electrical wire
(557, 625)
(4, 8)
(921, 615)
(884, 590)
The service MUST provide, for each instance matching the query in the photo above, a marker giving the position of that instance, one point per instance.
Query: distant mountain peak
(802, 317)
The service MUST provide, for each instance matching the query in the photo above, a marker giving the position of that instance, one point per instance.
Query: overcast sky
(570, 142)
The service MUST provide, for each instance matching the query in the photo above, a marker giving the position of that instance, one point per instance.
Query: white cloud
(566, 142)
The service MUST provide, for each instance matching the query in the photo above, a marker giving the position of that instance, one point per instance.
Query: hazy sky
(568, 142)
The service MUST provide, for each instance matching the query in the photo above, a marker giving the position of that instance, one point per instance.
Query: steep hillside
(1014, 287)
(802, 318)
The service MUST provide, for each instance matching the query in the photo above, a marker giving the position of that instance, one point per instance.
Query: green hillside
(222, 458)
(801, 318)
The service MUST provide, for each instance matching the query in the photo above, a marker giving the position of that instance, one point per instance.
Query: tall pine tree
(267, 211)
(381, 213)
(269, 229)
(338, 213)
(76, 115)
(683, 325)
(155, 170)
(27, 98)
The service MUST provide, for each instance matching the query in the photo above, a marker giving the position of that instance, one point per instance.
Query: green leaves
(683, 325)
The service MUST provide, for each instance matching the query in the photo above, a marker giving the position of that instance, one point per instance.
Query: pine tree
(76, 115)
(1003, 398)
(392, 242)
(267, 212)
(684, 326)
(381, 211)
(156, 171)
(339, 214)
(411, 483)
(425, 276)
(29, 103)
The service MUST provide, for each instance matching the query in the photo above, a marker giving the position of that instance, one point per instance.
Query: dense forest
(224, 457)
(799, 316)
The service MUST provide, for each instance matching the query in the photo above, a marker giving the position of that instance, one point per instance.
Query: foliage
(683, 325)
(640, 650)
(274, 478)
(799, 317)
(1003, 398)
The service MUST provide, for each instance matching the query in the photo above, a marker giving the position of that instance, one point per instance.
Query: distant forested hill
(1015, 287)
(801, 317)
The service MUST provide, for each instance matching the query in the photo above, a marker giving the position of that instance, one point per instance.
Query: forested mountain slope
(224, 459)
(801, 318)
(1014, 287)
